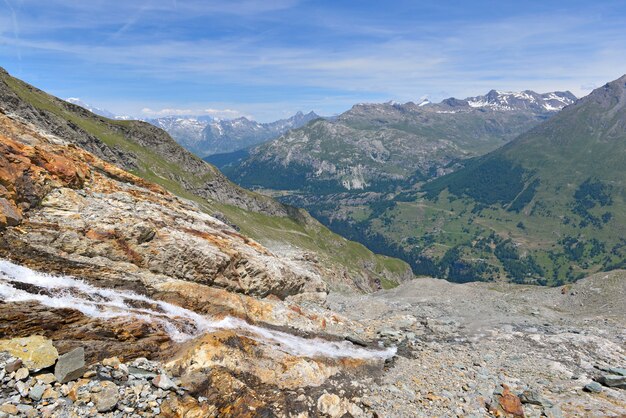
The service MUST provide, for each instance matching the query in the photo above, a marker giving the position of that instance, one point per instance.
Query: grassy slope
(310, 236)
(585, 141)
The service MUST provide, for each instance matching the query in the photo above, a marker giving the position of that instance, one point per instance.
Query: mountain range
(546, 208)
(376, 147)
(507, 186)
(207, 136)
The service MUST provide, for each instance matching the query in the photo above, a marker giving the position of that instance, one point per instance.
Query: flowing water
(18, 284)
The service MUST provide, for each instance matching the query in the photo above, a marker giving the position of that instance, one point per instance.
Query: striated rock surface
(85, 210)
(151, 154)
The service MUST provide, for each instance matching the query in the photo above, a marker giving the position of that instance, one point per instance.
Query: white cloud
(368, 60)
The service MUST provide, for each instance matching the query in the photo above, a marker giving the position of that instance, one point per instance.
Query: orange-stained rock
(507, 404)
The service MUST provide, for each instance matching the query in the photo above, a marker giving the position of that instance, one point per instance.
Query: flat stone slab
(70, 366)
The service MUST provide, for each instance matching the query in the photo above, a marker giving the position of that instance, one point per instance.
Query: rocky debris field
(37, 382)
(479, 350)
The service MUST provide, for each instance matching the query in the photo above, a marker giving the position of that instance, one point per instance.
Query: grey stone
(36, 392)
(618, 370)
(163, 381)
(614, 381)
(593, 387)
(107, 397)
(141, 373)
(13, 366)
(534, 397)
(552, 412)
(22, 408)
(70, 366)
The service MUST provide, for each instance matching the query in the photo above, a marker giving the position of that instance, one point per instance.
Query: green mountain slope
(152, 154)
(549, 207)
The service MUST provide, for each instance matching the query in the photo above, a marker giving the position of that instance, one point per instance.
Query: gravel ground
(459, 343)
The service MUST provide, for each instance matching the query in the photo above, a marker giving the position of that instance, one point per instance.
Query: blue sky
(268, 59)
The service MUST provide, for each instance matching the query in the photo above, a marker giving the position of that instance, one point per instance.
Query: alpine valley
(519, 187)
(136, 280)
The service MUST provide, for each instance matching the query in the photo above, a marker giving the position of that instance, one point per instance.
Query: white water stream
(181, 324)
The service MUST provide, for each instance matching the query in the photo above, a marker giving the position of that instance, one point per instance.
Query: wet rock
(107, 397)
(593, 387)
(36, 352)
(70, 366)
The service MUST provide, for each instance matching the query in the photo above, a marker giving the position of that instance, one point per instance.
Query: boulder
(107, 398)
(593, 387)
(333, 406)
(9, 214)
(163, 381)
(614, 381)
(21, 374)
(506, 404)
(36, 392)
(70, 366)
(36, 352)
(534, 397)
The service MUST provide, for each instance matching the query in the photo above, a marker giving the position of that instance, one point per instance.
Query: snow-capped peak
(524, 100)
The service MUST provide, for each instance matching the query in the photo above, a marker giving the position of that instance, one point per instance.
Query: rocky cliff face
(151, 154)
(156, 272)
(91, 210)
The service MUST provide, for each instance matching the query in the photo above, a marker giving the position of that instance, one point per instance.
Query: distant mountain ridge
(98, 111)
(206, 136)
(377, 146)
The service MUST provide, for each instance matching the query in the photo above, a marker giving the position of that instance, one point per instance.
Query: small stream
(18, 284)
